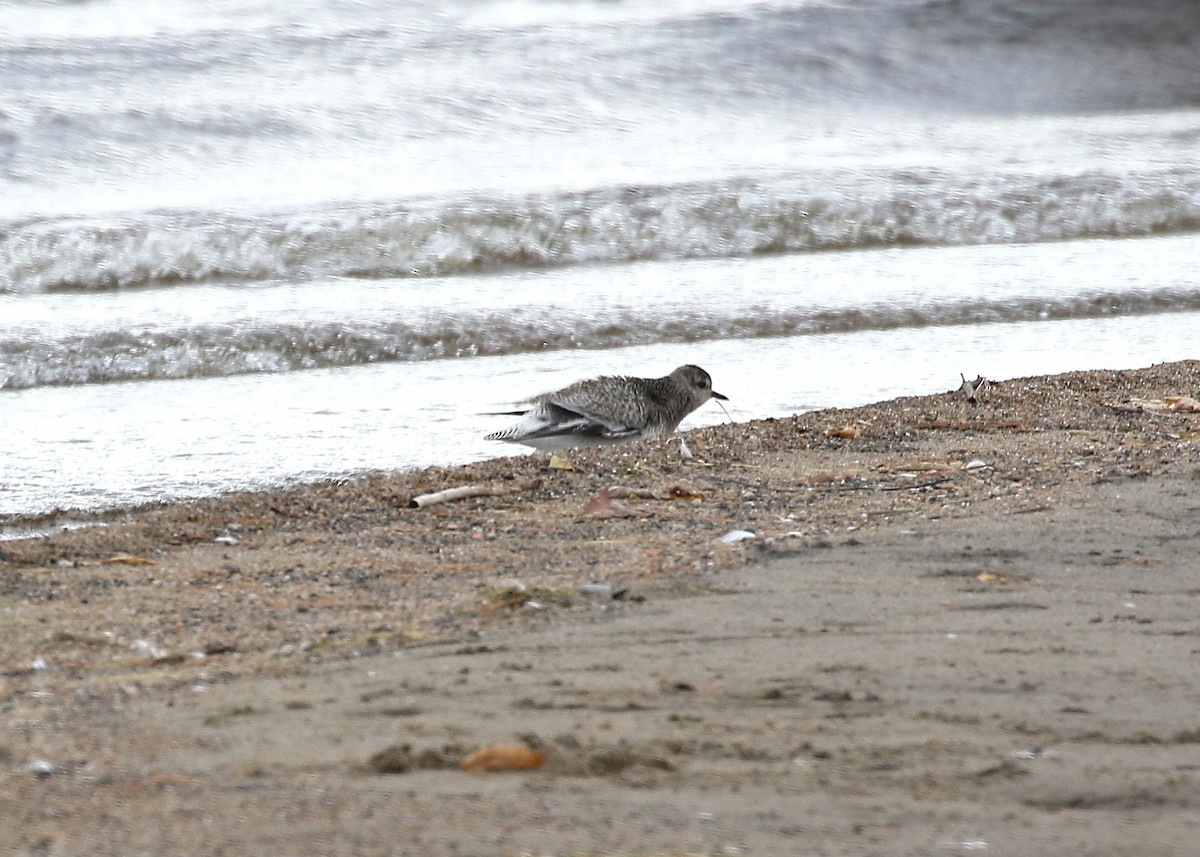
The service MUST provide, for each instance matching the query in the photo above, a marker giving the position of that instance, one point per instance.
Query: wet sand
(957, 628)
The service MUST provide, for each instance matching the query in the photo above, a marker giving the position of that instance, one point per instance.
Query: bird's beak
(717, 395)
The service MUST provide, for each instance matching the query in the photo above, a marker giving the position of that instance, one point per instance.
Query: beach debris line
(463, 492)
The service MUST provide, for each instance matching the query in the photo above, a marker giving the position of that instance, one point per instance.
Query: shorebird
(609, 409)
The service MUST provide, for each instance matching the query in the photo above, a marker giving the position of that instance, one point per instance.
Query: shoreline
(30, 513)
(277, 604)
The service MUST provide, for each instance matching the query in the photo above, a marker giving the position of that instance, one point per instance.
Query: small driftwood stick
(463, 492)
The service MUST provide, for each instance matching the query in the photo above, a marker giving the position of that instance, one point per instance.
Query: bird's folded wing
(611, 413)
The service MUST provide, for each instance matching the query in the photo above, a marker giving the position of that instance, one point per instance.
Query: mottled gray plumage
(610, 409)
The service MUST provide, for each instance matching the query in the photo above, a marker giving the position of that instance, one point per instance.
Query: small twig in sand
(931, 483)
(883, 486)
(675, 492)
(464, 492)
(449, 495)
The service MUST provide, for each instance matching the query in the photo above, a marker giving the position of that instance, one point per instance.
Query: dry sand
(958, 629)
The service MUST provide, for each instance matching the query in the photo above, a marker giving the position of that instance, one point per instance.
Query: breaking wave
(601, 226)
(220, 351)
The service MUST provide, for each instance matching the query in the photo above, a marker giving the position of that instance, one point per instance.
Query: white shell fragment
(40, 767)
(594, 589)
(145, 647)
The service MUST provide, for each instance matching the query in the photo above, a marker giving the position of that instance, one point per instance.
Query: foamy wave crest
(219, 351)
(739, 218)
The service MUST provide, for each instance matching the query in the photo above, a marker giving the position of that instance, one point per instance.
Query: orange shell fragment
(128, 559)
(847, 432)
(502, 757)
(1182, 404)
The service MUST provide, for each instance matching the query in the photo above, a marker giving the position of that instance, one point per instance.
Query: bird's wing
(596, 403)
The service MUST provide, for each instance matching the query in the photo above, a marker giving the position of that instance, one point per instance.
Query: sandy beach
(926, 626)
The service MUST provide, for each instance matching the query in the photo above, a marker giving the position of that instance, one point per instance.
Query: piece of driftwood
(463, 492)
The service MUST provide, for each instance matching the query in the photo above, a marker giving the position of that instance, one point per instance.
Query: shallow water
(112, 445)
